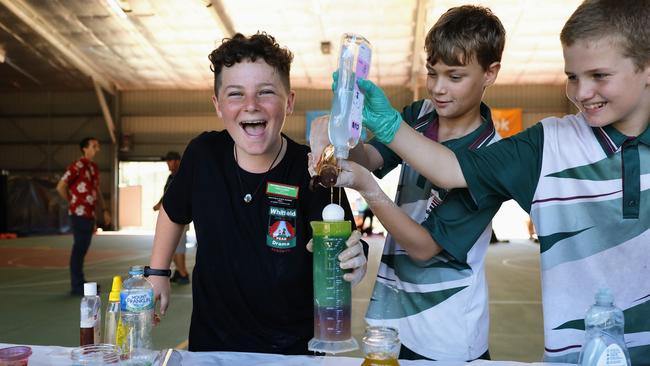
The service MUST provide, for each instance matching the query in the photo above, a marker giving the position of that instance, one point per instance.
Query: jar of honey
(381, 346)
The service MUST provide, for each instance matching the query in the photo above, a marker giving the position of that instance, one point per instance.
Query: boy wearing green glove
(438, 300)
(584, 178)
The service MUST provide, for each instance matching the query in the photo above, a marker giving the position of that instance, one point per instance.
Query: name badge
(283, 212)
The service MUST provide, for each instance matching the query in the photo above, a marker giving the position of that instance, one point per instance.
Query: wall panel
(40, 131)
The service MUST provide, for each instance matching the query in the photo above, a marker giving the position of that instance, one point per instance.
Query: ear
(491, 73)
(291, 100)
(215, 102)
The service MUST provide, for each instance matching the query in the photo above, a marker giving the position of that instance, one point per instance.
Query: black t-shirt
(252, 282)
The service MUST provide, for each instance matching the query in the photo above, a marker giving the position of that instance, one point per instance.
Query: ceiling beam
(33, 19)
(105, 111)
(219, 13)
(418, 47)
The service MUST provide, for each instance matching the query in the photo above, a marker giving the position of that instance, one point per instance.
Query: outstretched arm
(414, 238)
(431, 159)
(165, 240)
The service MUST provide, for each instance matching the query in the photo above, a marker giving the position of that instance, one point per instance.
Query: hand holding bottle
(355, 176)
(379, 116)
(318, 140)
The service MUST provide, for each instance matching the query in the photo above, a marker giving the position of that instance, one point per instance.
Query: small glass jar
(381, 346)
(95, 354)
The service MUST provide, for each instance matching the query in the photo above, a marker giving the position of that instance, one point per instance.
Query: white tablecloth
(58, 356)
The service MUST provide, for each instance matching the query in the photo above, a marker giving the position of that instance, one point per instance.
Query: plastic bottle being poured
(344, 127)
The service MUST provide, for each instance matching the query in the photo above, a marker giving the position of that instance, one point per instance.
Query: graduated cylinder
(332, 294)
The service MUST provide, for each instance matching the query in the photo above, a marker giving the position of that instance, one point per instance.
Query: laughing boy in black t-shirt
(246, 190)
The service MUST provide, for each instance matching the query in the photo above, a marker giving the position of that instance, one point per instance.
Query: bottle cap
(604, 296)
(114, 296)
(136, 270)
(90, 289)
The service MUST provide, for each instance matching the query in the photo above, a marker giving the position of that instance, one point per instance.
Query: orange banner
(507, 121)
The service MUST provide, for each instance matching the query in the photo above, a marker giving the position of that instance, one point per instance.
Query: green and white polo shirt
(588, 192)
(440, 307)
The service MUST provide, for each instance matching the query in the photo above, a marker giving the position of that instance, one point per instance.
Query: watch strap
(148, 271)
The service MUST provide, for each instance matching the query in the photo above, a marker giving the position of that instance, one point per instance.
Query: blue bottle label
(137, 301)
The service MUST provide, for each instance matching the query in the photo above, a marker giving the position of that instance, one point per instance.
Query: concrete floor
(36, 309)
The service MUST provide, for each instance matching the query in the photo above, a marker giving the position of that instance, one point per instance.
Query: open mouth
(594, 107)
(253, 127)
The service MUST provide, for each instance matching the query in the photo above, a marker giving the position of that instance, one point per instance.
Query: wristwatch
(148, 271)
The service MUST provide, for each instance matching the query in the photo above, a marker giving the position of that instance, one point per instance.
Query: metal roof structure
(164, 44)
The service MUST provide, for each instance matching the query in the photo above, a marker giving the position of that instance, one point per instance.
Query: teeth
(594, 105)
(253, 122)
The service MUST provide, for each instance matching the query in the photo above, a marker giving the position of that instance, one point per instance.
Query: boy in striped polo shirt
(439, 305)
(584, 178)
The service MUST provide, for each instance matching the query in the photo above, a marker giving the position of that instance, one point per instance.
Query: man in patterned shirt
(79, 185)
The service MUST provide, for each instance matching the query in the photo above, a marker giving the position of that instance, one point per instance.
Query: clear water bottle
(136, 311)
(344, 127)
(604, 334)
(90, 322)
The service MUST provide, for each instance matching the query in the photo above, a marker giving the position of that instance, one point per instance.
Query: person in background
(79, 186)
(438, 303)
(583, 178)
(532, 235)
(366, 213)
(494, 239)
(180, 276)
(246, 190)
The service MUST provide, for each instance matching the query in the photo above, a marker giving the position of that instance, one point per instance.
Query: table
(59, 356)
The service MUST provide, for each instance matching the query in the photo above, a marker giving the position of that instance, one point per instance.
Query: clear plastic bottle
(345, 120)
(112, 319)
(90, 309)
(381, 346)
(136, 308)
(604, 334)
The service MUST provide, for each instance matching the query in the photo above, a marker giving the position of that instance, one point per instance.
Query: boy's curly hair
(239, 48)
(464, 33)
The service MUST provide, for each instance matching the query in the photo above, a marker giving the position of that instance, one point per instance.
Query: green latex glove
(379, 116)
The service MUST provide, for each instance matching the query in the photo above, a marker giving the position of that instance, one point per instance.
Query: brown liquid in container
(376, 359)
(86, 336)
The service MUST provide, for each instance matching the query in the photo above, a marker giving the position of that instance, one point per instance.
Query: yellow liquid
(379, 359)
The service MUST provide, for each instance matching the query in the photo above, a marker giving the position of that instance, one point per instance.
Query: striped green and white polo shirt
(588, 192)
(440, 307)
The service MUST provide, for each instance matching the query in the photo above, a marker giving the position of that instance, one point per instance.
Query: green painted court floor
(35, 307)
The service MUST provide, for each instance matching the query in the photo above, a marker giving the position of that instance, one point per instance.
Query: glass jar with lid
(381, 346)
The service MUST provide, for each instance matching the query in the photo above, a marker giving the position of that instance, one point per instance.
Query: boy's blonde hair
(626, 21)
(464, 33)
